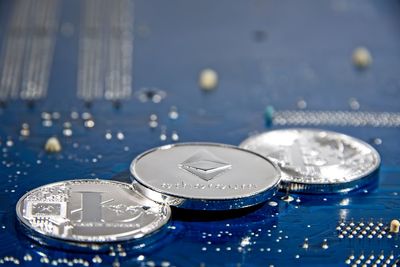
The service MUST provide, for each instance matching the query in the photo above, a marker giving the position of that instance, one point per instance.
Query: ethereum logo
(205, 165)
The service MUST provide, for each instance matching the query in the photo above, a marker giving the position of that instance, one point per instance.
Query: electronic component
(208, 79)
(361, 57)
(53, 145)
(394, 226)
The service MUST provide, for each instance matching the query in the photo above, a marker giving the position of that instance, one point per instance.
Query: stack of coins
(195, 176)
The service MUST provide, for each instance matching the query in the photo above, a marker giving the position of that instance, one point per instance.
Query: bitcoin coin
(317, 161)
(94, 211)
(205, 176)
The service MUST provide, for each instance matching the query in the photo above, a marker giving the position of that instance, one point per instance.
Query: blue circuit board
(111, 79)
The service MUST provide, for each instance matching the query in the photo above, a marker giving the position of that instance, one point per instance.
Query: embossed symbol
(46, 209)
(96, 210)
(205, 165)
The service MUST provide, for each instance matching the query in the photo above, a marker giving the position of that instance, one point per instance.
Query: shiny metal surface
(94, 211)
(317, 161)
(205, 176)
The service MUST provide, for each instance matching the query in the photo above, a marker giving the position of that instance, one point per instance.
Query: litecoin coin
(318, 161)
(90, 211)
(205, 176)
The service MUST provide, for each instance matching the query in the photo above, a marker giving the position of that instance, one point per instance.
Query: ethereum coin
(317, 161)
(205, 176)
(93, 211)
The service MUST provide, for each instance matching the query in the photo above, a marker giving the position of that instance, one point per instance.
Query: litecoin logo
(97, 209)
(205, 165)
(84, 209)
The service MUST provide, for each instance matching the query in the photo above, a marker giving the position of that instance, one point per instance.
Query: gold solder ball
(52, 145)
(394, 226)
(362, 58)
(208, 79)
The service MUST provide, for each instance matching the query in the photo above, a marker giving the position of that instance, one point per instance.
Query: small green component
(269, 115)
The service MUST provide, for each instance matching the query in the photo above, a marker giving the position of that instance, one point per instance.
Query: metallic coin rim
(199, 204)
(368, 181)
(142, 183)
(149, 241)
(82, 242)
(353, 178)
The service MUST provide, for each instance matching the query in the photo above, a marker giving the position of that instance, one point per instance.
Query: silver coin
(205, 176)
(93, 211)
(317, 161)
